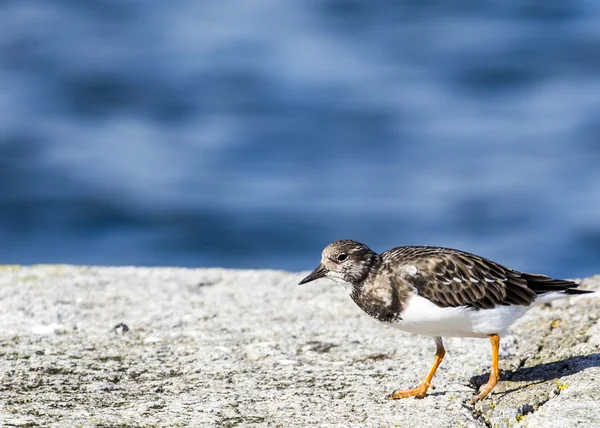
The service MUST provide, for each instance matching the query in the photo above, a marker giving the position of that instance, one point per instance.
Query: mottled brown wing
(451, 278)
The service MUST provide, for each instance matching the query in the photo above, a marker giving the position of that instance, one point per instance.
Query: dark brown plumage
(451, 278)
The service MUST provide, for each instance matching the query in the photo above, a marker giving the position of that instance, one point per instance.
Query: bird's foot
(484, 391)
(418, 392)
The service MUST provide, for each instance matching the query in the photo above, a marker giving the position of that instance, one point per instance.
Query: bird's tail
(542, 284)
(549, 289)
(577, 291)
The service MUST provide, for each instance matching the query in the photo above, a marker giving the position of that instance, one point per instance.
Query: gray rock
(87, 346)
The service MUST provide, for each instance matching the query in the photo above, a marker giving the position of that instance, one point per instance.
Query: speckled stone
(141, 347)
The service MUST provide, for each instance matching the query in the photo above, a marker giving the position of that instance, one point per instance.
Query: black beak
(319, 272)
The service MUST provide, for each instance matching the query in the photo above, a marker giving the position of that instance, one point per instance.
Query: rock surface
(141, 347)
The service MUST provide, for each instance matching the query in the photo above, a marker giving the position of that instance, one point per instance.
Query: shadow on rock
(545, 372)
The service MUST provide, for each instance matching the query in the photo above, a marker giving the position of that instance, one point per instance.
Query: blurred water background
(252, 133)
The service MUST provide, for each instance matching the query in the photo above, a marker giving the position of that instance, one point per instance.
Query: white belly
(423, 317)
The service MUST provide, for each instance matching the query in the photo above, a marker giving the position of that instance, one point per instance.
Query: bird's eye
(341, 257)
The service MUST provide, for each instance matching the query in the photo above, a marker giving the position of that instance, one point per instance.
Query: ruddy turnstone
(438, 292)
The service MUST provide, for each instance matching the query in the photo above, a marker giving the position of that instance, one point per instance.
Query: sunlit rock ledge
(94, 346)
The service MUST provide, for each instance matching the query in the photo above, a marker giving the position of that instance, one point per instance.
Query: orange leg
(421, 390)
(494, 372)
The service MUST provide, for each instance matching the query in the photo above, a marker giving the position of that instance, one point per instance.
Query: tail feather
(541, 284)
(576, 291)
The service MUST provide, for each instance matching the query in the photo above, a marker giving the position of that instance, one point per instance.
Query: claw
(484, 390)
(418, 392)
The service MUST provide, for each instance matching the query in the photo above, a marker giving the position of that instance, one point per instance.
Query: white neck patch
(336, 277)
(412, 270)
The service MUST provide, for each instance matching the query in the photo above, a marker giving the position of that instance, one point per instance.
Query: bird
(438, 292)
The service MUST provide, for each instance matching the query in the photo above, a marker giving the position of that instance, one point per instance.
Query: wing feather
(451, 278)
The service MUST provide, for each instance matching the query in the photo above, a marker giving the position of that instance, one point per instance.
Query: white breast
(421, 316)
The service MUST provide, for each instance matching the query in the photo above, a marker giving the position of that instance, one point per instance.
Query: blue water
(250, 134)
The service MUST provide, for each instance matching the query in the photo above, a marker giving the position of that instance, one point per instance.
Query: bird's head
(347, 262)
